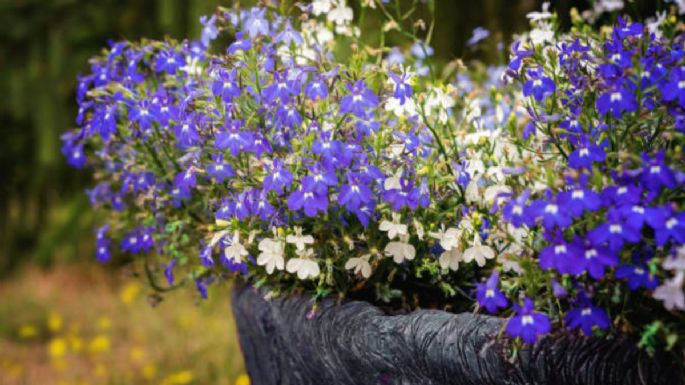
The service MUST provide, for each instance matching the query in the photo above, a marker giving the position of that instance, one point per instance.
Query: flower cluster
(301, 160)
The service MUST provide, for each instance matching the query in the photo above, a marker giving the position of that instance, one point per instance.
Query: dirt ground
(85, 325)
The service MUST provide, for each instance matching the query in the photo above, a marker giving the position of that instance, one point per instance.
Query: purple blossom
(637, 276)
(359, 99)
(169, 271)
(278, 178)
(617, 102)
(316, 89)
(355, 193)
(479, 34)
(489, 295)
(209, 30)
(585, 316)
(527, 323)
(538, 85)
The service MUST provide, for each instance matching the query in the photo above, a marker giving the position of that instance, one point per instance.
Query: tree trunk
(356, 343)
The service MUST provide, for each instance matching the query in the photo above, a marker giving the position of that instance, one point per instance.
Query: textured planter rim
(354, 342)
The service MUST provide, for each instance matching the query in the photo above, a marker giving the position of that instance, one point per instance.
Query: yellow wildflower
(57, 347)
(242, 379)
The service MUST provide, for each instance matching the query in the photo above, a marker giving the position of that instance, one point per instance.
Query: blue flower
(281, 89)
(586, 154)
(355, 193)
(289, 35)
(220, 170)
(138, 240)
(578, 200)
(201, 286)
(233, 139)
(514, 211)
(479, 34)
(226, 85)
(169, 60)
(552, 215)
(637, 276)
(614, 232)
(316, 89)
(102, 252)
(674, 87)
(656, 174)
(585, 316)
(527, 323)
(255, 23)
(169, 271)
(539, 86)
(403, 89)
(261, 207)
(278, 178)
(564, 257)
(596, 259)
(617, 102)
(359, 99)
(673, 227)
(209, 30)
(489, 295)
(240, 44)
(421, 50)
(311, 200)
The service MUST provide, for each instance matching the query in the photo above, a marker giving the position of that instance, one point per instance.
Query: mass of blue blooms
(549, 190)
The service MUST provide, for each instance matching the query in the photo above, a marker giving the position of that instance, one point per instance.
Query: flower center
(551, 209)
(671, 223)
(615, 229)
(589, 254)
(616, 97)
(490, 293)
(527, 320)
(560, 249)
(578, 194)
(587, 311)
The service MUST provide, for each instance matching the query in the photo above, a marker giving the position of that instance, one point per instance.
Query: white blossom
(305, 266)
(393, 182)
(319, 7)
(393, 228)
(654, 24)
(420, 232)
(400, 250)
(448, 239)
(360, 265)
(439, 102)
(298, 239)
(394, 105)
(236, 251)
(193, 67)
(478, 252)
(676, 263)
(540, 15)
(671, 292)
(450, 259)
(341, 14)
(271, 255)
(542, 33)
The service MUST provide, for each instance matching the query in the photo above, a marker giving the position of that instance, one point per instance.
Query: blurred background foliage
(44, 44)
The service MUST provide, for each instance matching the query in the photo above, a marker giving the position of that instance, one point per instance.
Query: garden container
(355, 342)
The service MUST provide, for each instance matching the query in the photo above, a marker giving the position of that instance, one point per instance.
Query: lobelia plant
(303, 164)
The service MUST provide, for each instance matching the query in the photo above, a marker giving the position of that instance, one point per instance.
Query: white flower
(393, 182)
(319, 7)
(305, 266)
(493, 192)
(360, 265)
(608, 6)
(193, 67)
(439, 102)
(341, 14)
(271, 255)
(217, 237)
(681, 6)
(478, 252)
(545, 14)
(448, 239)
(677, 263)
(671, 292)
(236, 251)
(298, 239)
(542, 33)
(394, 105)
(450, 259)
(472, 193)
(400, 251)
(419, 229)
(654, 24)
(393, 228)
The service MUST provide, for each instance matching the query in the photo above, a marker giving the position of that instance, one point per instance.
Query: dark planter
(356, 343)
